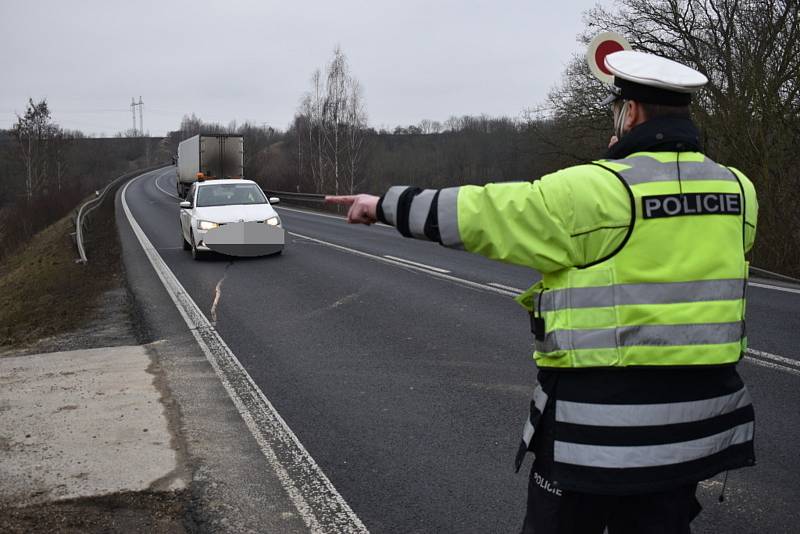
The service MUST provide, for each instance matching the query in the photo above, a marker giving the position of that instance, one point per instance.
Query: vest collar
(662, 134)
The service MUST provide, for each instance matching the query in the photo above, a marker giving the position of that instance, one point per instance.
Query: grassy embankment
(44, 293)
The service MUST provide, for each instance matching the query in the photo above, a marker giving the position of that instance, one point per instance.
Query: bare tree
(334, 112)
(749, 113)
(34, 132)
(329, 124)
(356, 123)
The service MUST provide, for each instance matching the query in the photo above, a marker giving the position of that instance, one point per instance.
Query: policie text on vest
(691, 204)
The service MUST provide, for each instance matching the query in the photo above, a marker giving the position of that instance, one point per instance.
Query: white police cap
(652, 79)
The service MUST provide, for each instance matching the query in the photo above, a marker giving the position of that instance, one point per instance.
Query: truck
(207, 157)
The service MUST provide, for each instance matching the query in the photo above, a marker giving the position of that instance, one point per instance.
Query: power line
(141, 120)
(140, 105)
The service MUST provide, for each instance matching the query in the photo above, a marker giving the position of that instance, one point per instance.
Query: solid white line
(337, 217)
(344, 219)
(775, 288)
(437, 269)
(451, 278)
(775, 366)
(501, 286)
(158, 186)
(774, 357)
(318, 502)
(513, 292)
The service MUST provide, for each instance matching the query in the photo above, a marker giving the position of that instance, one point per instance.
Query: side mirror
(274, 200)
(185, 204)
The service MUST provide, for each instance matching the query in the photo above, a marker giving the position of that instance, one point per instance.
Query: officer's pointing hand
(363, 208)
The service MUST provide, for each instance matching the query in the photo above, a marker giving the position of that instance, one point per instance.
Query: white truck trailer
(207, 157)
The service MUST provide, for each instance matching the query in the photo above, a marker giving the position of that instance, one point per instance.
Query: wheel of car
(196, 254)
(186, 245)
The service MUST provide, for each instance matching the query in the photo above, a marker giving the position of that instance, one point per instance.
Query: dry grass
(43, 292)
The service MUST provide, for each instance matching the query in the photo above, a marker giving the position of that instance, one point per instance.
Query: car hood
(228, 214)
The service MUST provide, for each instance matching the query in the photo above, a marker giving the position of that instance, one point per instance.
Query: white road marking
(776, 362)
(509, 288)
(337, 217)
(780, 363)
(774, 288)
(158, 186)
(318, 502)
(443, 276)
(424, 266)
(771, 365)
(340, 218)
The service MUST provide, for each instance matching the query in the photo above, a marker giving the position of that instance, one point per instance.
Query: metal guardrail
(770, 274)
(314, 197)
(90, 205)
(305, 197)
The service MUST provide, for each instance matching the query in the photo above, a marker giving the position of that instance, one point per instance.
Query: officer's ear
(635, 115)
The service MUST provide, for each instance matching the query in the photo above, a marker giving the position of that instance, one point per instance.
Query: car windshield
(229, 195)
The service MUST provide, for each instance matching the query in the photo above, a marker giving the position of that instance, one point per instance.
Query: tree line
(45, 171)
(749, 117)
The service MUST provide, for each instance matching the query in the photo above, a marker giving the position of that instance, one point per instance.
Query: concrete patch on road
(83, 423)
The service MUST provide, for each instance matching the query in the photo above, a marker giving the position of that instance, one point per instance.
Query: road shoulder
(233, 488)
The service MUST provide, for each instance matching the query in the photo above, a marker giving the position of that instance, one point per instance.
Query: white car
(231, 217)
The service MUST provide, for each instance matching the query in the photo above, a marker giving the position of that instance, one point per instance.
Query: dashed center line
(158, 186)
(764, 359)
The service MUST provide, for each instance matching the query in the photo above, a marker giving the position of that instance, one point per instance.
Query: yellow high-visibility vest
(672, 292)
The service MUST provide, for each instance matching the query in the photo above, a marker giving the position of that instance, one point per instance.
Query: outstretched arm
(520, 222)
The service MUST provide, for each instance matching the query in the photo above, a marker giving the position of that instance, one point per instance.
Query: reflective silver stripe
(630, 415)
(539, 401)
(644, 169)
(650, 455)
(389, 204)
(539, 398)
(577, 297)
(418, 214)
(448, 217)
(527, 432)
(627, 294)
(690, 334)
(599, 338)
(643, 335)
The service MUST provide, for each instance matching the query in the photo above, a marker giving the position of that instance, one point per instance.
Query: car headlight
(273, 221)
(206, 225)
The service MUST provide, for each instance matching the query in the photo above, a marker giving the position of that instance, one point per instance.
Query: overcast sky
(252, 60)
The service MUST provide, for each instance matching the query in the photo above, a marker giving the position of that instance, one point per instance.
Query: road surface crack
(218, 295)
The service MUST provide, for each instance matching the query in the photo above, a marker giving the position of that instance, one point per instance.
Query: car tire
(186, 245)
(196, 254)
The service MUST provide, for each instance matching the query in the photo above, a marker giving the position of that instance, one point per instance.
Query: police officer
(639, 316)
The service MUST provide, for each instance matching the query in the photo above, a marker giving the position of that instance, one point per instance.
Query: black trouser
(553, 511)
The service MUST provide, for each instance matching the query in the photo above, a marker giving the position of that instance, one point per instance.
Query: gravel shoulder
(50, 304)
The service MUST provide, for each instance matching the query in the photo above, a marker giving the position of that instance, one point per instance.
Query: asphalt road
(408, 383)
